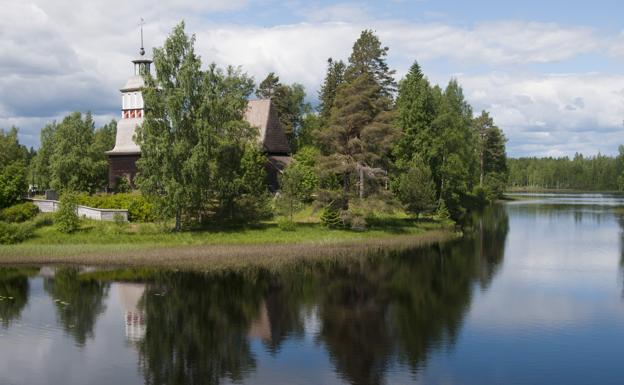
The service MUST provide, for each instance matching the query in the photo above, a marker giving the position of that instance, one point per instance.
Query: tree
(415, 187)
(327, 94)
(73, 165)
(359, 136)
(416, 110)
(291, 193)
(288, 101)
(268, 88)
(369, 57)
(454, 150)
(198, 155)
(360, 131)
(66, 218)
(13, 159)
(491, 147)
(40, 170)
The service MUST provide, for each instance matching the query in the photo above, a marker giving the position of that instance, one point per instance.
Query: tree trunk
(361, 170)
(482, 156)
(178, 220)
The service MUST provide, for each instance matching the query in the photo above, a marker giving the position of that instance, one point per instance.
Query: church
(122, 158)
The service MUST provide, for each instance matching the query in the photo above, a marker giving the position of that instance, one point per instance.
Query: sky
(551, 73)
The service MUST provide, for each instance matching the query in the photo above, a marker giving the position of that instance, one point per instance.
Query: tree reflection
(196, 328)
(402, 306)
(79, 301)
(373, 313)
(14, 287)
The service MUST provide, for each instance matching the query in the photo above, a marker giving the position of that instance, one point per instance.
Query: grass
(262, 245)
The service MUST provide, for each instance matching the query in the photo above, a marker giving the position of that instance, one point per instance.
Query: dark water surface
(533, 296)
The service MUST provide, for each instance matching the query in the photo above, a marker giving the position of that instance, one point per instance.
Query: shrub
(11, 233)
(330, 218)
(285, 224)
(67, 220)
(20, 213)
(139, 208)
(442, 212)
(42, 220)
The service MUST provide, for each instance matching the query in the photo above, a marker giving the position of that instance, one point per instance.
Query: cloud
(553, 114)
(66, 55)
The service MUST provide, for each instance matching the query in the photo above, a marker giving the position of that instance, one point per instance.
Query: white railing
(50, 206)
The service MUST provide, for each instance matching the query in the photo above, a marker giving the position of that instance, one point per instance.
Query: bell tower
(122, 158)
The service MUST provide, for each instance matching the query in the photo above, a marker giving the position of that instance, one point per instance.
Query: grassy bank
(265, 244)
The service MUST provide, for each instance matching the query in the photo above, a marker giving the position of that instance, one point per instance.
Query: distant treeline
(595, 173)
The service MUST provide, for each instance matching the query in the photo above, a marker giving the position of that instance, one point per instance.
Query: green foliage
(12, 183)
(198, 156)
(369, 57)
(292, 194)
(305, 164)
(11, 233)
(75, 152)
(327, 94)
(330, 218)
(140, 209)
(495, 185)
(442, 211)
(66, 218)
(19, 213)
(286, 224)
(13, 160)
(289, 102)
(595, 173)
(122, 185)
(415, 188)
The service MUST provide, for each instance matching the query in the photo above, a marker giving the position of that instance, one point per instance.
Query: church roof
(262, 115)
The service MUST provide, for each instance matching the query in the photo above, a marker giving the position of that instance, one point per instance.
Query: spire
(142, 50)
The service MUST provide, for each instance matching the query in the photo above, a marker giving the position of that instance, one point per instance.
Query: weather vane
(142, 50)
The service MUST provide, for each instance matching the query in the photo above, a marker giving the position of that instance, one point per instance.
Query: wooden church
(122, 158)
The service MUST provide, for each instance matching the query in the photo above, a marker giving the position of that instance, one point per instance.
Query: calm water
(534, 296)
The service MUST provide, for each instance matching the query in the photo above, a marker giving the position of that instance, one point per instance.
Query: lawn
(149, 244)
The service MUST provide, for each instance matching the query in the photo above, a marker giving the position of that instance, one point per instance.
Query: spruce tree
(327, 94)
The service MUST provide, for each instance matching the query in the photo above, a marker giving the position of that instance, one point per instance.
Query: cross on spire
(142, 50)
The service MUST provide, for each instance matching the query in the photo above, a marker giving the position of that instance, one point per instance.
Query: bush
(330, 218)
(285, 224)
(11, 233)
(20, 213)
(442, 212)
(66, 219)
(139, 209)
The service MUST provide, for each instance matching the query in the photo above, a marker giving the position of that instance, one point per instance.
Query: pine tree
(368, 56)
(268, 88)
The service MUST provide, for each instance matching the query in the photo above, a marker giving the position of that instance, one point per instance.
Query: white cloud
(64, 55)
(553, 114)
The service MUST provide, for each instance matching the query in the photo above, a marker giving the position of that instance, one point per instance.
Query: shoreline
(215, 256)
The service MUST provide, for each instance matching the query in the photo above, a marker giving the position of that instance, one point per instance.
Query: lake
(534, 294)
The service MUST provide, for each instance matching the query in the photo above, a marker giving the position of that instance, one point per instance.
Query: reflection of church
(122, 158)
(129, 296)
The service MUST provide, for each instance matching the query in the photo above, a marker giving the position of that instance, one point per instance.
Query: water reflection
(78, 301)
(371, 313)
(367, 317)
(14, 288)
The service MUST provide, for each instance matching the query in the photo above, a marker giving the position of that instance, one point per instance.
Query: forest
(372, 143)
(593, 173)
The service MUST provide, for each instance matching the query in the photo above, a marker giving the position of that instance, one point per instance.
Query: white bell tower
(126, 151)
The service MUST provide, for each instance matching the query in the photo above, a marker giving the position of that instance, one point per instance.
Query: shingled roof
(262, 114)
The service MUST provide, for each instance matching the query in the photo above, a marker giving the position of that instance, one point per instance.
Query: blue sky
(550, 72)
